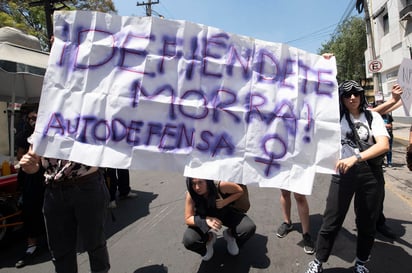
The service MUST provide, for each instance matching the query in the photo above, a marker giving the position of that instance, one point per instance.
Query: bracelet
(201, 223)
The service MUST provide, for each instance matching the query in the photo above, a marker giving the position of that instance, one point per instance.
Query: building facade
(391, 22)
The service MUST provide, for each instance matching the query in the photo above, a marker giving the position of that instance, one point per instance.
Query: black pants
(118, 180)
(367, 185)
(240, 224)
(77, 210)
(32, 188)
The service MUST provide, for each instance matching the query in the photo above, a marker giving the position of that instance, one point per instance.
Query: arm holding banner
(393, 103)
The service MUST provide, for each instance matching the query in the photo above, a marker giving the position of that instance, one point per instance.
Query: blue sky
(305, 24)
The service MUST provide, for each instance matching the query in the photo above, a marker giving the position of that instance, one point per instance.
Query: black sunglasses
(348, 95)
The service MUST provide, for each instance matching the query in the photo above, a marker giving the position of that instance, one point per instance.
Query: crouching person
(207, 211)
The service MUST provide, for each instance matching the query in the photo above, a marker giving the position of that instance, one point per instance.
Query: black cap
(350, 87)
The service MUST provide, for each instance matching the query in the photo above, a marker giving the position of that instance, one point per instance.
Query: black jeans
(367, 185)
(240, 224)
(32, 208)
(73, 210)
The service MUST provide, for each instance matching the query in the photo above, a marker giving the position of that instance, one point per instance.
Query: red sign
(375, 66)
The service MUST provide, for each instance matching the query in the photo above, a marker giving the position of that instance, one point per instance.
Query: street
(145, 233)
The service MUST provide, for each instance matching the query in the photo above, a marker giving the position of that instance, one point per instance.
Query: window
(385, 24)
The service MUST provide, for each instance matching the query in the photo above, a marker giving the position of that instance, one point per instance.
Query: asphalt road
(145, 236)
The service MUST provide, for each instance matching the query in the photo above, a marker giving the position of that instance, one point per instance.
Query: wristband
(201, 223)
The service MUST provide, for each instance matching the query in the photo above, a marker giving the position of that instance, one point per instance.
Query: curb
(401, 140)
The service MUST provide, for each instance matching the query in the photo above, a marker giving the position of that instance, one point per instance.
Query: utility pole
(371, 45)
(49, 8)
(148, 5)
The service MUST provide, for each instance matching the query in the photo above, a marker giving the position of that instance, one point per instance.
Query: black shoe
(26, 259)
(284, 229)
(386, 231)
(308, 245)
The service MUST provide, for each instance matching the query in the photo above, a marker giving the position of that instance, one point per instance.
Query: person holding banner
(31, 187)
(75, 204)
(206, 214)
(359, 174)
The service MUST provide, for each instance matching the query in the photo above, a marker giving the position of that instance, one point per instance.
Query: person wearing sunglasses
(357, 175)
(31, 187)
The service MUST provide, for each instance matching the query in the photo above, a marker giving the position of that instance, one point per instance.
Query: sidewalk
(401, 132)
(398, 178)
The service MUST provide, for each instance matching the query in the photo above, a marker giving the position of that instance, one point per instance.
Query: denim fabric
(77, 212)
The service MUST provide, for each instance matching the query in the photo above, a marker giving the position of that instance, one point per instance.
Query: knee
(187, 241)
(246, 227)
(190, 238)
(300, 199)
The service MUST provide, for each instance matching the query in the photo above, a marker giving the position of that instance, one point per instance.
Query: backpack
(242, 204)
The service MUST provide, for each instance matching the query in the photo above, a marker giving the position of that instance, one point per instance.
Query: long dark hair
(210, 202)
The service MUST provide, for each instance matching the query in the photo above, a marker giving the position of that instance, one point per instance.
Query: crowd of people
(73, 198)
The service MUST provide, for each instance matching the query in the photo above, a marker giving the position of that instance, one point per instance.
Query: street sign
(375, 66)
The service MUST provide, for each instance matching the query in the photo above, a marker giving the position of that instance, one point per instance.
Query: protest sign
(405, 81)
(157, 94)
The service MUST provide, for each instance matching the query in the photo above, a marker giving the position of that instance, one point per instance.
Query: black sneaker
(284, 229)
(308, 245)
(26, 259)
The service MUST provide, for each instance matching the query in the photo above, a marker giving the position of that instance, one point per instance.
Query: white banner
(405, 81)
(156, 94)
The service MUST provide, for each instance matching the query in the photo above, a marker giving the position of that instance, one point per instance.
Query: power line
(322, 31)
(326, 31)
(348, 11)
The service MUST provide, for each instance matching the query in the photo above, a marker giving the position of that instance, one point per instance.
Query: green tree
(348, 45)
(32, 19)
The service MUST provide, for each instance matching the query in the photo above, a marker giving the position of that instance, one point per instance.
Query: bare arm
(391, 104)
(189, 210)
(380, 147)
(192, 220)
(234, 190)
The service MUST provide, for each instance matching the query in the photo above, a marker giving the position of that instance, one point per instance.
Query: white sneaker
(209, 247)
(112, 205)
(232, 247)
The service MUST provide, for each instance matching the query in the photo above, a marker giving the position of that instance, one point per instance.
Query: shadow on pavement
(385, 257)
(157, 268)
(128, 211)
(15, 247)
(252, 255)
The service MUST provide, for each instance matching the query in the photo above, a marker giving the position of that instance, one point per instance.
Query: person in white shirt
(359, 174)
